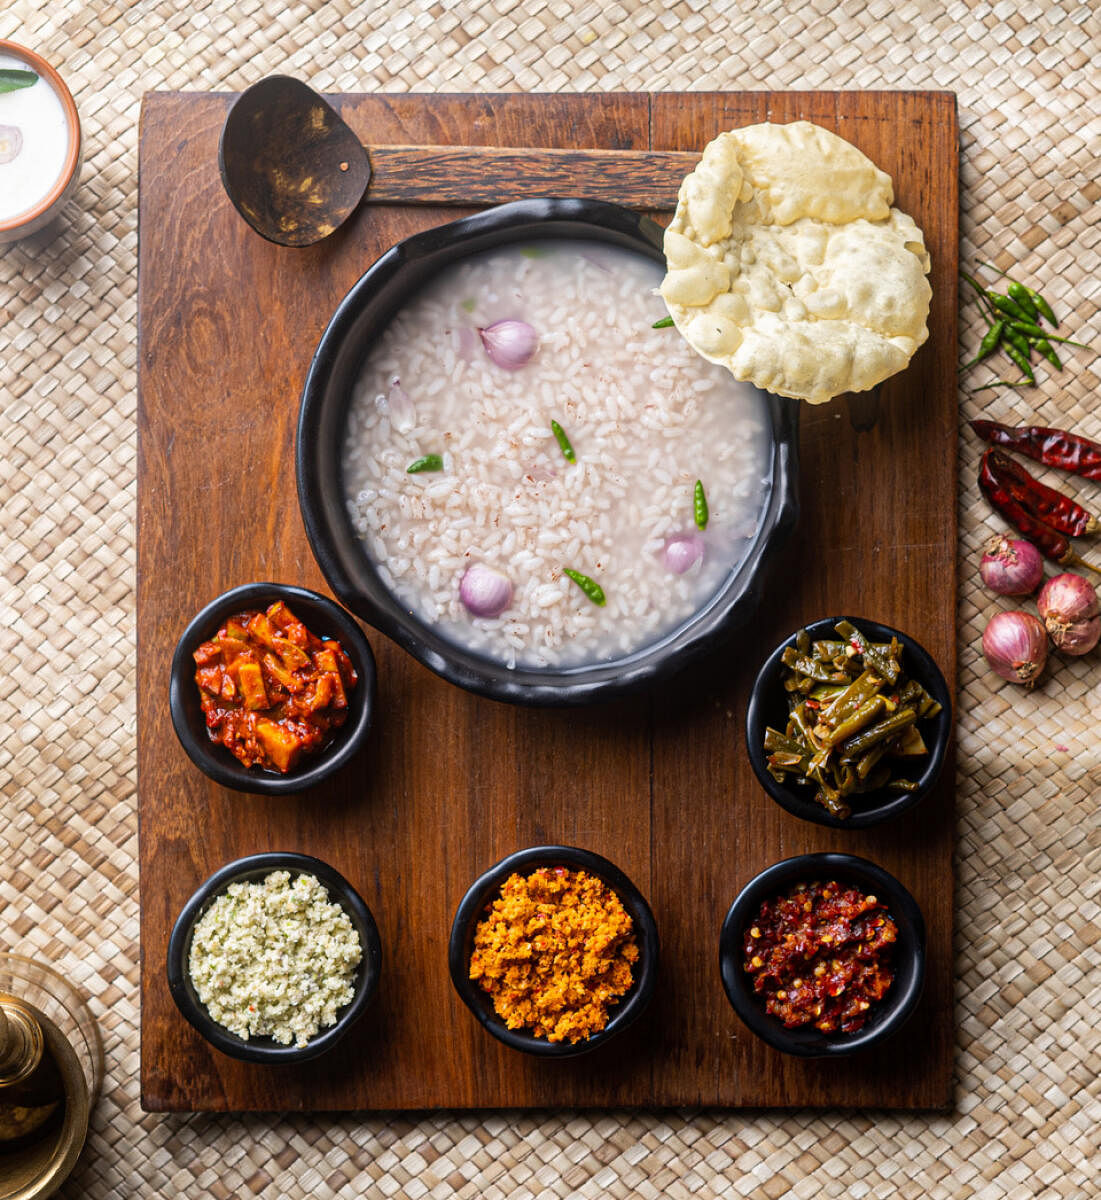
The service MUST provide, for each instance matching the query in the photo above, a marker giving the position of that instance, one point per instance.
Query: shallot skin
(1015, 646)
(1079, 638)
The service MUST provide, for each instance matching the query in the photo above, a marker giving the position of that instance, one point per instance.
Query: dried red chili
(821, 956)
(271, 690)
(1048, 541)
(1052, 447)
(1046, 504)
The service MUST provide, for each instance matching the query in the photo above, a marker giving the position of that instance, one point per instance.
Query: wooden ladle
(296, 172)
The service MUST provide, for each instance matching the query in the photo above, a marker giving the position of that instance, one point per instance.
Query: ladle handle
(474, 175)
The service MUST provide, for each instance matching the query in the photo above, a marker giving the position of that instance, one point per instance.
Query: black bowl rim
(216, 761)
(799, 802)
(909, 955)
(481, 892)
(729, 607)
(242, 870)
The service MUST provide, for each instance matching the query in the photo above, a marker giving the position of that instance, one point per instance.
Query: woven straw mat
(1029, 922)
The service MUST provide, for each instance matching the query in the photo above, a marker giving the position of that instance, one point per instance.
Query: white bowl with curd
(40, 144)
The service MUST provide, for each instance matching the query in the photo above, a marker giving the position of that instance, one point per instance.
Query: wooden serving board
(449, 782)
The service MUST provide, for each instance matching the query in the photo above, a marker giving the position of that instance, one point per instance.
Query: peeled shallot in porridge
(575, 443)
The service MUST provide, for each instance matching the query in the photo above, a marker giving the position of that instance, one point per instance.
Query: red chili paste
(272, 690)
(821, 956)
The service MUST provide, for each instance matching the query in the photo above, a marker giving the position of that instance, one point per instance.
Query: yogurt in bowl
(39, 143)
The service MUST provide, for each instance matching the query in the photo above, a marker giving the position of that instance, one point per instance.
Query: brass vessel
(51, 1068)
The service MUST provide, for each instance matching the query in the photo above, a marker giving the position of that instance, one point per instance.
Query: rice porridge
(521, 417)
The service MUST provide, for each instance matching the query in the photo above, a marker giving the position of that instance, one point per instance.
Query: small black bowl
(768, 706)
(322, 617)
(484, 891)
(250, 869)
(888, 1015)
(358, 322)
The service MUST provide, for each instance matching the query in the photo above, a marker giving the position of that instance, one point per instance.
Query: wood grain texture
(466, 175)
(450, 783)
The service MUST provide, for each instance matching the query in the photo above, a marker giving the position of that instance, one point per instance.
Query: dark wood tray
(450, 783)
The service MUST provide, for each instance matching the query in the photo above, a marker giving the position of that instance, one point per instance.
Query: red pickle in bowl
(821, 955)
(271, 690)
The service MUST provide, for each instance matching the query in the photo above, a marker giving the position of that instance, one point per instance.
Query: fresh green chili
(1007, 307)
(1003, 304)
(427, 462)
(1013, 337)
(1042, 307)
(991, 340)
(1019, 293)
(1032, 330)
(699, 505)
(664, 323)
(1020, 362)
(563, 442)
(1046, 349)
(590, 587)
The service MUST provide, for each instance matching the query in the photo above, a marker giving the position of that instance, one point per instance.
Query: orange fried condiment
(271, 690)
(821, 956)
(555, 951)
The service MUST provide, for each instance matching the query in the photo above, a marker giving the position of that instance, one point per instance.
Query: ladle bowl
(290, 165)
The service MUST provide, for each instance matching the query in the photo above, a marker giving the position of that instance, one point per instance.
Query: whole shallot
(510, 344)
(1068, 604)
(1015, 645)
(1011, 566)
(682, 552)
(484, 591)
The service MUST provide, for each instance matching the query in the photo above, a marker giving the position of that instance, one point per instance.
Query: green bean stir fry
(852, 716)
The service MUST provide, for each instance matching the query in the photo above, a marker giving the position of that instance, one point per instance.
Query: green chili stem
(986, 387)
(664, 323)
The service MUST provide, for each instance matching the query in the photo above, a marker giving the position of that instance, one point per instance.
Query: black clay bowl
(322, 617)
(768, 706)
(908, 959)
(481, 895)
(358, 321)
(252, 869)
